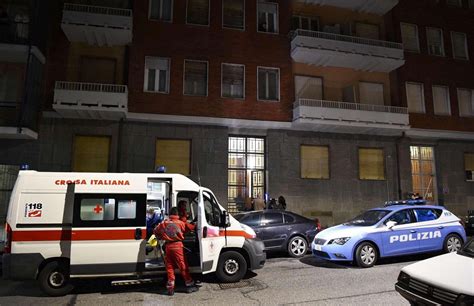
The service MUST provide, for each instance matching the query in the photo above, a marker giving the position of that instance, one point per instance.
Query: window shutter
(91, 154)
(314, 162)
(156, 63)
(410, 37)
(371, 93)
(371, 164)
(469, 161)
(441, 100)
(459, 45)
(174, 154)
(415, 99)
(367, 30)
(198, 12)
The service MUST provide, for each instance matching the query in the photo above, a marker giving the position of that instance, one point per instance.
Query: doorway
(246, 172)
(423, 172)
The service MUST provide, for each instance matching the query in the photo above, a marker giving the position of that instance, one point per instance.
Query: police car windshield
(368, 218)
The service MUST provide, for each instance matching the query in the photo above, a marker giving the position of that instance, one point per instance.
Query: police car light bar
(406, 202)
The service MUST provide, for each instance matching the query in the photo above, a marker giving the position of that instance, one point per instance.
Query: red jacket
(171, 230)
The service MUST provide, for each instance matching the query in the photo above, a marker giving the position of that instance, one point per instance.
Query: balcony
(96, 25)
(352, 118)
(90, 100)
(379, 7)
(15, 43)
(335, 50)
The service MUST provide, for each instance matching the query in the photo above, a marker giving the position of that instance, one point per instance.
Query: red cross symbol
(98, 209)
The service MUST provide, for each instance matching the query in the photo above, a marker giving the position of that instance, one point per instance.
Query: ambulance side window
(212, 211)
(97, 209)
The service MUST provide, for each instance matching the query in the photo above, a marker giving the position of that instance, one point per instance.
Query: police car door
(210, 241)
(429, 228)
(108, 234)
(400, 239)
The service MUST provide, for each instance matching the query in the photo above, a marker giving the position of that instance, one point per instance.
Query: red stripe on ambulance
(76, 235)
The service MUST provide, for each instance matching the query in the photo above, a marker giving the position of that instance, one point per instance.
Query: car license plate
(317, 247)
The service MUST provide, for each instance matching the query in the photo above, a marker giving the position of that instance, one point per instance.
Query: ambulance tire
(452, 243)
(366, 255)
(231, 267)
(54, 279)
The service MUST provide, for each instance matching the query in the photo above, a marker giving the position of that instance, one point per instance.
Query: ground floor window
(371, 164)
(91, 154)
(174, 154)
(469, 166)
(423, 172)
(246, 172)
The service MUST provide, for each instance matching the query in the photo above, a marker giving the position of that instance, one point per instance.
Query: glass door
(423, 172)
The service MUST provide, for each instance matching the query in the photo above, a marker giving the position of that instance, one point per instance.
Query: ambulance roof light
(161, 169)
(406, 202)
(24, 167)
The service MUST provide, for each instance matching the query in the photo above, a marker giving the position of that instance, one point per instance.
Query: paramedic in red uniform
(172, 231)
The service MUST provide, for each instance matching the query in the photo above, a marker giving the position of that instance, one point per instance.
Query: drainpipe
(397, 156)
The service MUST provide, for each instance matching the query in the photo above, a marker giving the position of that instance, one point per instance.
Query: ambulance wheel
(54, 279)
(366, 255)
(452, 243)
(231, 267)
(297, 247)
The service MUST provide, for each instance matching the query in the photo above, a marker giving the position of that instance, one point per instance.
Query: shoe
(171, 291)
(197, 283)
(191, 289)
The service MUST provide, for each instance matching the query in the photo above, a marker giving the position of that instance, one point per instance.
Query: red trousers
(175, 259)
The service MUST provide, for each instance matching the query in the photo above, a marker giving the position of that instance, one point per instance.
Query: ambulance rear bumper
(21, 266)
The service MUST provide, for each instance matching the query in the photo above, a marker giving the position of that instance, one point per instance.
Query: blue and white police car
(399, 228)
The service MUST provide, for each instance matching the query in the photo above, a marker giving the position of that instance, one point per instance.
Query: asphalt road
(283, 281)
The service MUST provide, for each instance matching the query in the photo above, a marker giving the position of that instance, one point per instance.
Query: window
(435, 41)
(272, 219)
(471, 3)
(233, 81)
(195, 78)
(304, 23)
(371, 164)
(175, 155)
(314, 162)
(410, 37)
(415, 97)
(371, 93)
(441, 102)
(267, 17)
(233, 14)
(466, 102)
(197, 12)
(161, 10)
(457, 3)
(97, 209)
(91, 154)
(401, 217)
(252, 220)
(426, 214)
(367, 30)
(268, 84)
(469, 166)
(459, 42)
(289, 218)
(127, 209)
(157, 71)
(308, 87)
(211, 209)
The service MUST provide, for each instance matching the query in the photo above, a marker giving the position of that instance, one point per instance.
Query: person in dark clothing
(152, 220)
(281, 203)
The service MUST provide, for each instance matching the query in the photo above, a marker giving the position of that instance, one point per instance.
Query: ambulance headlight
(340, 241)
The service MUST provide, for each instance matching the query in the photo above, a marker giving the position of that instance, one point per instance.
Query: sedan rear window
(272, 218)
(251, 219)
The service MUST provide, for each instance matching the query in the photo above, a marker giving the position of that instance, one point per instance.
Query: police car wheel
(54, 279)
(452, 243)
(231, 267)
(297, 247)
(366, 255)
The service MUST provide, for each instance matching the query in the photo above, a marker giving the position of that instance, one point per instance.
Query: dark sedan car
(281, 230)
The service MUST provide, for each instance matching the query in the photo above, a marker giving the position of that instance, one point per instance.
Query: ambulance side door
(108, 234)
(210, 240)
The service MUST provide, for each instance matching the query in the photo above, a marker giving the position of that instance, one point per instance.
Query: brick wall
(179, 41)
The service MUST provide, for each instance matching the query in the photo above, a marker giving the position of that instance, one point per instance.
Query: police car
(399, 228)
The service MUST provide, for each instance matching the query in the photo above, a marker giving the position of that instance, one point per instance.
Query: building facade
(300, 98)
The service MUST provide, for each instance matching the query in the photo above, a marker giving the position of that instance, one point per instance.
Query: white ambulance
(62, 226)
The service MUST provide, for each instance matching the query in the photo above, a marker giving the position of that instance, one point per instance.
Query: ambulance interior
(159, 197)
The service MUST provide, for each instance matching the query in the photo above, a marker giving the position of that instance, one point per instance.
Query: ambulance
(64, 226)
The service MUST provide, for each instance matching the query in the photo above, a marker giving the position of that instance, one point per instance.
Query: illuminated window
(469, 166)
(315, 162)
(371, 164)
(91, 154)
(175, 155)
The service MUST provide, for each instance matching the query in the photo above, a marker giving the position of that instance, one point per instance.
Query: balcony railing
(90, 100)
(97, 9)
(14, 32)
(351, 106)
(347, 38)
(379, 7)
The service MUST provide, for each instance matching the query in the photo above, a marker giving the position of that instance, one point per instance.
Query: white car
(442, 280)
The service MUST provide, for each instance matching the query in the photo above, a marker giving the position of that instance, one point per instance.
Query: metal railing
(351, 106)
(97, 9)
(346, 38)
(78, 86)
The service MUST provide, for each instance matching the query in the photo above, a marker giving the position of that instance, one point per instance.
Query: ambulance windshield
(368, 218)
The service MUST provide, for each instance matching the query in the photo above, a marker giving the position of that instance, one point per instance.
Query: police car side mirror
(391, 224)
